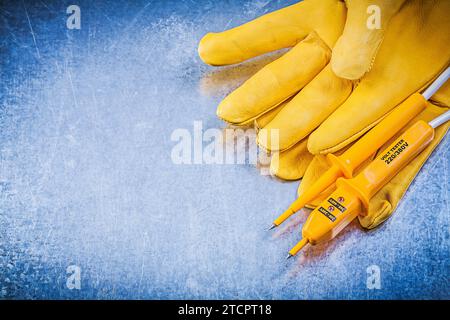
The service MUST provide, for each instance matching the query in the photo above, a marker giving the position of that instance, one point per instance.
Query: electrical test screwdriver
(352, 196)
(345, 164)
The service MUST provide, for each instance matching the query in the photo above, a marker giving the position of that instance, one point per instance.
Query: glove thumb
(355, 50)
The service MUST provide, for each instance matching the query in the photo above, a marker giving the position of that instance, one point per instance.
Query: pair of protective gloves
(349, 65)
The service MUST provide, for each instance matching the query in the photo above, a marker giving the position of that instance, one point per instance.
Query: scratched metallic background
(87, 179)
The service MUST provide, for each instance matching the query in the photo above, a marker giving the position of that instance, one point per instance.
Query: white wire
(436, 84)
(443, 118)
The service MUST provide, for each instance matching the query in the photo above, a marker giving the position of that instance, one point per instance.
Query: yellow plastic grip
(352, 196)
(345, 164)
(390, 162)
(381, 133)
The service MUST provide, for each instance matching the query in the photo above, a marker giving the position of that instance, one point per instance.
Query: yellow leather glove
(312, 27)
(414, 50)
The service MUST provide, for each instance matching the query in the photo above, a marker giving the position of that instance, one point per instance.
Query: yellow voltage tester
(352, 196)
(345, 164)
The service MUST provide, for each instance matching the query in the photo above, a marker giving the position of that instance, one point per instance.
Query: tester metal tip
(289, 256)
(273, 226)
(298, 246)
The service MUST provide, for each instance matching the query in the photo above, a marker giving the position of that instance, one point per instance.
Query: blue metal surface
(87, 180)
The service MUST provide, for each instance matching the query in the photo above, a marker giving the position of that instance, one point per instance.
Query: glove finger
(411, 56)
(383, 204)
(356, 48)
(263, 120)
(276, 82)
(291, 164)
(221, 81)
(308, 109)
(280, 29)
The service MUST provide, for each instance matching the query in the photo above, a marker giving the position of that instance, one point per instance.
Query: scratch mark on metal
(31, 30)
